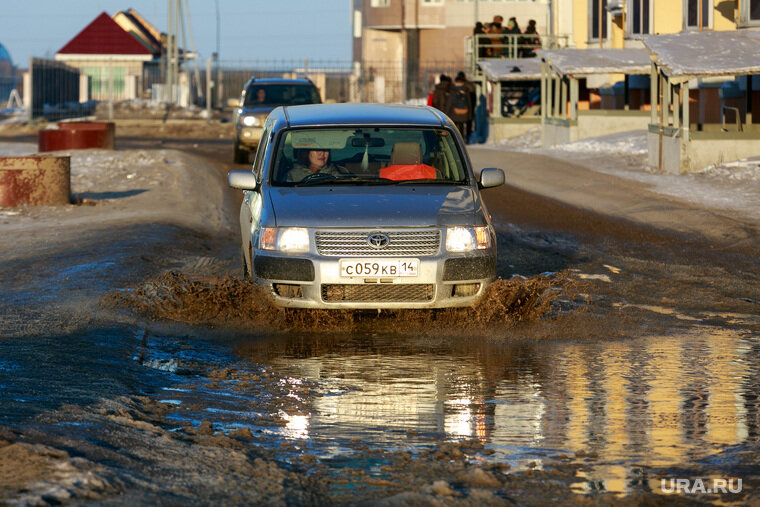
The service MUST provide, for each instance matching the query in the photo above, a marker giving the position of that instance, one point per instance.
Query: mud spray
(231, 302)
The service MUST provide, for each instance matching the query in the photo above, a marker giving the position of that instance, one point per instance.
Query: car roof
(279, 80)
(362, 114)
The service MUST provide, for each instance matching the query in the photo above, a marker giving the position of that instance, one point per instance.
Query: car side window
(258, 164)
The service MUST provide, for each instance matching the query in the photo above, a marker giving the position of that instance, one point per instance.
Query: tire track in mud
(233, 303)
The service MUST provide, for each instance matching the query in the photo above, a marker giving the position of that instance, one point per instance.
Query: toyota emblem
(378, 240)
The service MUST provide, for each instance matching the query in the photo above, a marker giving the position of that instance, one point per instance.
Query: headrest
(406, 154)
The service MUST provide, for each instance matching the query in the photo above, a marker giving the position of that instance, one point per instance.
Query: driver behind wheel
(311, 162)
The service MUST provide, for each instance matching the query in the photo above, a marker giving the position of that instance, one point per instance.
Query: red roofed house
(111, 57)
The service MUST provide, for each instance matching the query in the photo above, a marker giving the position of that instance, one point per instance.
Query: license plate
(378, 267)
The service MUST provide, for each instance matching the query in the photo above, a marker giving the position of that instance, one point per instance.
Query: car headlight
(250, 121)
(288, 239)
(466, 239)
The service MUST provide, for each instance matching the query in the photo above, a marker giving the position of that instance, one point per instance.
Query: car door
(250, 210)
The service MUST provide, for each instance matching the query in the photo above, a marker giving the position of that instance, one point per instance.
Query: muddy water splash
(231, 302)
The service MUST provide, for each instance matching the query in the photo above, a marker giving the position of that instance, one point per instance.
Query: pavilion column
(557, 87)
(497, 99)
(573, 99)
(748, 102)
(686, 125)
(563, 100)
(544, 89)
(676, 106)
(653, 94)
(667, 92)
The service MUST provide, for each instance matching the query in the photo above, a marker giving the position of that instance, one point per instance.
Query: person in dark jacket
(530, 41)
(473, 101)
(460, 105)
(480, 29)
(512, 29)
(441, 93)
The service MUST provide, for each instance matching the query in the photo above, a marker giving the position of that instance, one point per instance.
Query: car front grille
(371, 293)
(401, 243)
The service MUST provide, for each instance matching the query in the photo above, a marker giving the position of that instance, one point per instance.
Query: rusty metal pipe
(77, 136)
(38, 180)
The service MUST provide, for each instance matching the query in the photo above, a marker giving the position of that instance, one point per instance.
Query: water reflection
(661, 401)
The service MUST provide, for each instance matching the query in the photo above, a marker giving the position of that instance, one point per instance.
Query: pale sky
(250, 29)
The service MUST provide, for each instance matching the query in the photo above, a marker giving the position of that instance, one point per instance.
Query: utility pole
(169, 51)
(219, 90)
(192, 48)
(404, 50)
(176, 12)
(208, 90)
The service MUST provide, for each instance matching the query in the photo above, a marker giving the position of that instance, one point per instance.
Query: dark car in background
(258, 99)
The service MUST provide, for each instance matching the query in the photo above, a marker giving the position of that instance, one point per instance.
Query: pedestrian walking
(441, 93)
(460, 105)
(469, 126)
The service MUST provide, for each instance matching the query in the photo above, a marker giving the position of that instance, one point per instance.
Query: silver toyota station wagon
(365, 206)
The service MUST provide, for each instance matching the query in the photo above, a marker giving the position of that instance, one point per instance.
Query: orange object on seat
(408, 172)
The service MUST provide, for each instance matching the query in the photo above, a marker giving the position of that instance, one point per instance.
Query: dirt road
(643, 368)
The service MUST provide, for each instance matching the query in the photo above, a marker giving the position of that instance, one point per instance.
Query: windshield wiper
(433, 181)
(342, 181)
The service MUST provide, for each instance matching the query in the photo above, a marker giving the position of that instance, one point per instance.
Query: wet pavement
(654, 403)
(648, 369)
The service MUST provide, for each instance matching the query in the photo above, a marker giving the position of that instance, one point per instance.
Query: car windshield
(367, 156)
(280, 94)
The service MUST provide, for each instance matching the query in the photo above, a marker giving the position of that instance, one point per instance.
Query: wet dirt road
(645, 368)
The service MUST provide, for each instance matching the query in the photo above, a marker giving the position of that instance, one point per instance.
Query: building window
(597, 10)
(432, 2)
(380, 3)
(692, 10)
(750, 14)
(639, 21)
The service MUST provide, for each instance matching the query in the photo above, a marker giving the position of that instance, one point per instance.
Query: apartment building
(624, 23)
(422, 37)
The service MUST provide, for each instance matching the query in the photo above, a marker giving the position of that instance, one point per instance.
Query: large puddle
(330, 388)
(658, 402)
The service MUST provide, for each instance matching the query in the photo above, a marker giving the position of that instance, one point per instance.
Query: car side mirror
(491, 177)
(244, 180)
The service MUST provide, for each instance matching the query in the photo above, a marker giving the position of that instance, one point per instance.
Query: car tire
(241, 155)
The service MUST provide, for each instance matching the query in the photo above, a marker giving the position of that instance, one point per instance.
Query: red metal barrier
(78, 135)
(36, 180)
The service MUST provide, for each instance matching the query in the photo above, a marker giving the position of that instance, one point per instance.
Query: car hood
(375, 206)
(259, 110)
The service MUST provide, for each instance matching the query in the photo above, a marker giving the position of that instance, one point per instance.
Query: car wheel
(241, 155)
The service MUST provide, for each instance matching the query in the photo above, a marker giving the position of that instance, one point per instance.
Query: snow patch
(733, 186)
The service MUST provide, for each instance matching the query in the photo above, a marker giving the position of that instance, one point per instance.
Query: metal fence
(344, 81)
(54, 90)
(500, 45)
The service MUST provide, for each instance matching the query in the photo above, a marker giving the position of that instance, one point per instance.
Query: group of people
(457, 99)
(499, 45)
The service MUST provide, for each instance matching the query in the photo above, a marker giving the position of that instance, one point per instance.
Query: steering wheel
(318, 177)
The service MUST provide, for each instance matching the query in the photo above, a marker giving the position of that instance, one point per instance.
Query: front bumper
(314, 281)
(250, 136)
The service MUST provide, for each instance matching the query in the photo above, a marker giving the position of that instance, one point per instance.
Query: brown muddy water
(634, 411)
(658, 402)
